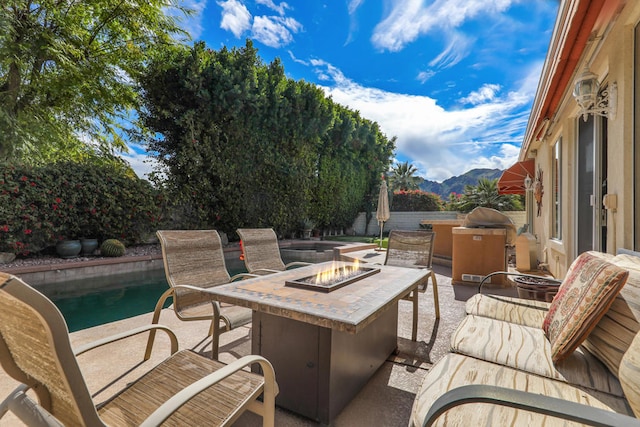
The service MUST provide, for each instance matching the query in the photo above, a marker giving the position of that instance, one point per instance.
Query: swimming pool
(96, 301)
(99, 300)
(91, 302)
(309, 251)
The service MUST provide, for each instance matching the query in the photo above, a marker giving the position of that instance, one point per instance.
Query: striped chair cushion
(527, 349)
(455, 370)
(590, 287)
(613, 335)
(514, 310)
(630, 375)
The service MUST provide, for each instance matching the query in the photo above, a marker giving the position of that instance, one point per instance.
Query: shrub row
(41, 205)
(415, 201)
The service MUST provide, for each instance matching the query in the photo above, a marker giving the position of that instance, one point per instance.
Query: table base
(320, 370)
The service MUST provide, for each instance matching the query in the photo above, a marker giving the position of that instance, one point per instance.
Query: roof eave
(575, 22)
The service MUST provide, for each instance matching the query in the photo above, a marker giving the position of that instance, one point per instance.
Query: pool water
(91, 302)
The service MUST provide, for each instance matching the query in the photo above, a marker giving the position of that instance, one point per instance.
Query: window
(556, 180)
(636, 146)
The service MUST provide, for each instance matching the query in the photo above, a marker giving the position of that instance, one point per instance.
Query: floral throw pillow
(584, 297)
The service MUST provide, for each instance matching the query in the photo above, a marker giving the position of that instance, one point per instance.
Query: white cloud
(295, 59)
(409, 19)
(235, 17)
(423, 76)
(280, 8)
(353, 5)
(141, 163)
(274, 31)
(457, 49)
(400, 27)
(441, 143)
(486, 93)
(352, 8)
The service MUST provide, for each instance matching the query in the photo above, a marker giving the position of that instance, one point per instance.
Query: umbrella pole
(381, 228)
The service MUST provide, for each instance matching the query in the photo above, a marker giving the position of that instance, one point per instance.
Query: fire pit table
(324, 345)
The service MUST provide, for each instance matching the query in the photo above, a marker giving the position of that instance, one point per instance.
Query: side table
(535, 288)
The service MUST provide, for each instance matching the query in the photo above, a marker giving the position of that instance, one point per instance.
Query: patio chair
(261, 251)
(414, 249)
(184, 389)
(194, 260)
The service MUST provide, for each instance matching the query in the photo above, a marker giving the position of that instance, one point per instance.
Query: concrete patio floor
(386, 400)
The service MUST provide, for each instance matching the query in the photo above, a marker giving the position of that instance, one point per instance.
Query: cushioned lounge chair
(414, 249)
(184, 389)
(261, 251)
(193, 260)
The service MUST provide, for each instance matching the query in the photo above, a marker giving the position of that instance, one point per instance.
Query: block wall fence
(411, 221)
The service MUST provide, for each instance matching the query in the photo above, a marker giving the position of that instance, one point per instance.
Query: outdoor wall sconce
(528, 186)
(527, 182)
(586, 92)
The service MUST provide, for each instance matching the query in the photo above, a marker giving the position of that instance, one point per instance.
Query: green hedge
(40, 205)
(415, 201)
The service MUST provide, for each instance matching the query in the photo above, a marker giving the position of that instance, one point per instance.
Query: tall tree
(402, 177)
(485, 194)
(66, 70)
(242, 145)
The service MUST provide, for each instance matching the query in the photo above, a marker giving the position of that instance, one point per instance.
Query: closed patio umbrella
(382, 213)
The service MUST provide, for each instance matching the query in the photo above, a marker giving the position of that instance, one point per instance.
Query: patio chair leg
(434, 283)
(215, 332)
(215, 342)
(414, 331)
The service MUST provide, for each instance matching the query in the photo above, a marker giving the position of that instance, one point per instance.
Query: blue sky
(453, 80)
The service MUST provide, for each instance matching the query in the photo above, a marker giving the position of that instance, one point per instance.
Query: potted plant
(307, 226)
(89, 245)
(87, 231)
(68, 248)
(68, 244)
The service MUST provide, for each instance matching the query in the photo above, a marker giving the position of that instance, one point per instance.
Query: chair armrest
(183, 396)
(242, 276)
(27, 410)
(113, 338)
(260, 271)
(508, 273)
(533, 402)
(297, 264)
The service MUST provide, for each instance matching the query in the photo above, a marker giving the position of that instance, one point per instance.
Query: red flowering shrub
(26, 222)
(44, 204)
(415, 201)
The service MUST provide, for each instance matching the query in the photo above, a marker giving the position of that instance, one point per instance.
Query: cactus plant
(112, 248)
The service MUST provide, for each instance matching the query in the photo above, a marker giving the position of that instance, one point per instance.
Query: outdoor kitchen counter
(443, 246)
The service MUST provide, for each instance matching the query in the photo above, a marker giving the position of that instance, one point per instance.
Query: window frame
(556, 190)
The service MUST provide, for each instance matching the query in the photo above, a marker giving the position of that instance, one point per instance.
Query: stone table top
(349, 308)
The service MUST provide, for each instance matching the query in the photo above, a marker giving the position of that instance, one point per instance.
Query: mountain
(456, 184)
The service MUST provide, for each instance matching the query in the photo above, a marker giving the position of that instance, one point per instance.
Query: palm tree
(401, 177)
(486, 194)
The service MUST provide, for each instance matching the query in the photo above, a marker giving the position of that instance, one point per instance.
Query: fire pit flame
(334, 277)
(337, 274)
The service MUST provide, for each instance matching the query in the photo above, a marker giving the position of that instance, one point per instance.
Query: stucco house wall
(610, 53)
